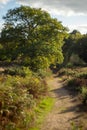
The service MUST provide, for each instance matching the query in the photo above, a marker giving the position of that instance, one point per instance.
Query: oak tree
(33, 36)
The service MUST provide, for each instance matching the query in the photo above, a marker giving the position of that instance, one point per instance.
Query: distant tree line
(76, 43)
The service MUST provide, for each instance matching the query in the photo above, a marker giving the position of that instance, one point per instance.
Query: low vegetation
(41, 111)
(76, 81)
(21, 90)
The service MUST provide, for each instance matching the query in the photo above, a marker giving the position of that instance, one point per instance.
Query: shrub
(67, 72)
(35, 86)
(21, 71)
(18, 97)
(77, 82)
(79, 86)
(44, 73)
(80, 82)
(72, 85)
(13, 105)
(82, 75)
(84, 94)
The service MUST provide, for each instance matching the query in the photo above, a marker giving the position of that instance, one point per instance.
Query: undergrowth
(76, 81)
(22, 95)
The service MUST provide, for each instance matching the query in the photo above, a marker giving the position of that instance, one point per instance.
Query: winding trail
(65, 112)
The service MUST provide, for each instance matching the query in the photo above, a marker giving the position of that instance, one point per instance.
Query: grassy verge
(41, 111)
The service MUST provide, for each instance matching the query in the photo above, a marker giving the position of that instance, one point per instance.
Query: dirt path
(65, 112)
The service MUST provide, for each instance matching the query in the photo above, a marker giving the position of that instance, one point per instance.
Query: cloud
(59, 7)
(82, 28)
(1, 26)
(4, 1)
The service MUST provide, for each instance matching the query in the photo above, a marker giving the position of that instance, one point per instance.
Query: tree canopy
(75, 44)
(31, 35)
(71, 45)
(82, 48)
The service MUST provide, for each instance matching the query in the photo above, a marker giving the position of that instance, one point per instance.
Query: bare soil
(66, 113)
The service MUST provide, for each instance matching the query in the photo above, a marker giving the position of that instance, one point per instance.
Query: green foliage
(21, 71)
(84, 94)
(67, 72)
(35, 86)
(75, 126)
(84, 91)
(44, 73)
(76, 81)
(75, 45)
(69, 47)
(32, 37)
(13, 105)
(82, 48)
(18, 97)
(75, 60)
(82, 75)
(41, 111)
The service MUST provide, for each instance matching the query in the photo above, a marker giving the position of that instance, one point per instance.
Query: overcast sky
(72, 13)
